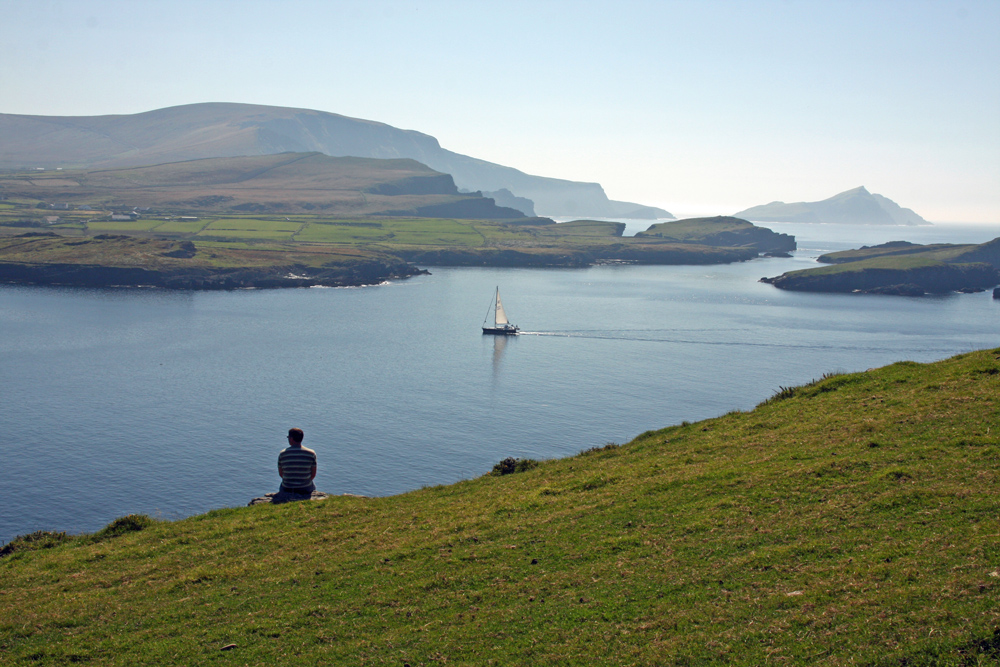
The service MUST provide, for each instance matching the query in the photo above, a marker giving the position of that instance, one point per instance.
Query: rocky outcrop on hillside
(476, 209)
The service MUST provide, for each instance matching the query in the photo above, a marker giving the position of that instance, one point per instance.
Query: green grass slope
(988, 252)
(853, 521)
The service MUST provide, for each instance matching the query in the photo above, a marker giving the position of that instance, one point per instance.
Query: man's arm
(312, 475)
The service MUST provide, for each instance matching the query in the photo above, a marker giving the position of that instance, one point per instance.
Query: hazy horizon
(697, 107)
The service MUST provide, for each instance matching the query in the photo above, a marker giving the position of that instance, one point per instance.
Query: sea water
(123, 401)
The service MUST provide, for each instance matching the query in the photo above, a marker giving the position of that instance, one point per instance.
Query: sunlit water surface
(174, 403)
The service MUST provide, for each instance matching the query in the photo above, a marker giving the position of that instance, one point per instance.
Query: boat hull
(501, 331)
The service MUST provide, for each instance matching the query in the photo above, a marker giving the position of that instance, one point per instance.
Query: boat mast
(493, 307)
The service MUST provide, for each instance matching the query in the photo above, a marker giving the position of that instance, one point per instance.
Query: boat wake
(736, 340)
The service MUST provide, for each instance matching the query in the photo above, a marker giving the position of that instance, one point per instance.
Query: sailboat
(501, 327)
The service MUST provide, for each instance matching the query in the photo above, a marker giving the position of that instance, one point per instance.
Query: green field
(595, 228)
(852, 521)
(181, 226)
(696, 227)
(899, 263)
(342, 233)
(266, 235)
(402, 231)
(141, 225)
(254, 224)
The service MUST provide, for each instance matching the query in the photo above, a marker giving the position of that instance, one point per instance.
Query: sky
(700, 107)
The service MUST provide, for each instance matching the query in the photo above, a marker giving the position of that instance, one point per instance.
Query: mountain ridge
(227, 129)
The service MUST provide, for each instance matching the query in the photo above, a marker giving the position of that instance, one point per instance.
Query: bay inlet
(174, 403)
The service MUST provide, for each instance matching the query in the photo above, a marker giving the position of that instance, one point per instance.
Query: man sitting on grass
(297, 465)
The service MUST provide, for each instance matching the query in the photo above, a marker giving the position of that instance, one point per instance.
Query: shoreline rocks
(201, 278)
(280, 497)
(285, 497)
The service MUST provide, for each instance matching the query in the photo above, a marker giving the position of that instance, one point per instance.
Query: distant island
(221, 130)
(901, 268)
(857, 206)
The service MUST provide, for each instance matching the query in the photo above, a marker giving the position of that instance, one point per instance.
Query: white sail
(501, 317)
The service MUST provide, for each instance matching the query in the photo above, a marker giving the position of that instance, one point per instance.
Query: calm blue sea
(171, 404)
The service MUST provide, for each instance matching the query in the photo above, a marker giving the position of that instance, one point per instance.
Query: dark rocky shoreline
(580, 258)
(939, 279)
(201, 278)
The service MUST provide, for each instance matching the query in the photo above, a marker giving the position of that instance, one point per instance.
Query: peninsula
(298, 219)
(850, 521)
(901, 268)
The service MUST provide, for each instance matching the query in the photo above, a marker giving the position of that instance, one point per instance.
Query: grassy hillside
(940, 251)
(286, 183)
(944, 252)
(691, 229)
(853, 521)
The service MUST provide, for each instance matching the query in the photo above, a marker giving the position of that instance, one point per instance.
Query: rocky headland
(936, 278)
(901, 268)
(722, 231)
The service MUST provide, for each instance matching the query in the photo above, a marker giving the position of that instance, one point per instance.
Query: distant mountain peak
(855, 206)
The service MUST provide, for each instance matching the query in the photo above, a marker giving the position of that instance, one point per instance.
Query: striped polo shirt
(297, 464)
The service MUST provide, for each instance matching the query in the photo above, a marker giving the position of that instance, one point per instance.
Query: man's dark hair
(296, 435)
